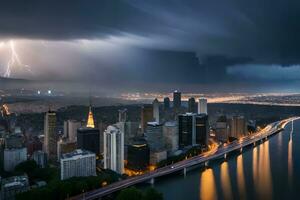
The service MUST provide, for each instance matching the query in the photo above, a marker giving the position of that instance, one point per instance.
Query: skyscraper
(176, 99)
(70, 129)
(114, 149)
(146, 116)
(186, 129)
(202, 106)
(222, 129)
(166, 103)
(237, 126)
(156, 110)
(202, 132)
(50, 139)
(88, 138)
(170, 133)
(123, 115)
(192, 106)
(193, 129)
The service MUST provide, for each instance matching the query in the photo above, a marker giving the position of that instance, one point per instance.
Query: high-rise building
(202, 130)
(192, 129)
(130, 130)
(40, 158)
(146, 116)
(123, 115)
(89, 139)
(155, 140)
(138, 155)
(114, 149)
(156, 110)
(192, 106)
(50, 139)
(13, 157)
(202, 106)
(65, 146)
(77, 164)
(176, 99)
(154, 136)
(166, 103)
(237, 126)
(70, 129)
(222, 129)
(170, 134)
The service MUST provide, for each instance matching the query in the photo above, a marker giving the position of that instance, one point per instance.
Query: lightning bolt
(14, 60)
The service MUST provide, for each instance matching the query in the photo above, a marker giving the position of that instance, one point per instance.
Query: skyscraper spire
(90, 121)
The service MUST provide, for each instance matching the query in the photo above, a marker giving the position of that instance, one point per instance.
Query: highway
(214, 153)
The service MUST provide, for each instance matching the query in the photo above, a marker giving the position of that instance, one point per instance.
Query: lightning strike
(14, 61)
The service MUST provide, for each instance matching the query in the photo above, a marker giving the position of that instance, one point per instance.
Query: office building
(202, 106)
(186, 129)
(154, 136)
(170, 134)
(176, 99)
(202, 130)
(114, 149)
(40, 158)
(156, 110)
(65, 146)
(130, 130)
(138, 155)
(193, 130)
(192, 106)
(89, 139)
(222, 129)
(146, 116)
(123, 115)
(50, 140)
(237, 127)
(70, 129)
(14, 185)
(77, 164)
(13, 157)
(166, 103)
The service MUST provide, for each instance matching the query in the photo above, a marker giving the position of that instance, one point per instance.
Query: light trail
(14, 61)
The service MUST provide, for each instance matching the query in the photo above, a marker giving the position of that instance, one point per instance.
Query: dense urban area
(70, 150)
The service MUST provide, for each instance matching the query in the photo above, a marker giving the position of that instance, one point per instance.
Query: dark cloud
(170, 41)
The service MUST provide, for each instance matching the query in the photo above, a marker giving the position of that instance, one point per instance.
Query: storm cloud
(168, 42)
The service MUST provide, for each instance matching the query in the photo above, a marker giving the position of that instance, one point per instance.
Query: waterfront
(267, 171)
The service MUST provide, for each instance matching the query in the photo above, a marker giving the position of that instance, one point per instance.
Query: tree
(152, 194)
(130, 194)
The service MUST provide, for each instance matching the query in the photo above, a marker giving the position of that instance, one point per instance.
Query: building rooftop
(15, 181)
(76, 153)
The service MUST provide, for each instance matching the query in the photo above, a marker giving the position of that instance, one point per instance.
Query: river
(269, 170)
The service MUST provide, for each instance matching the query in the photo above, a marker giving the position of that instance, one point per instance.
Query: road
(220, 151)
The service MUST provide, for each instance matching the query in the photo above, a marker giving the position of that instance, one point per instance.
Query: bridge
(215, 153)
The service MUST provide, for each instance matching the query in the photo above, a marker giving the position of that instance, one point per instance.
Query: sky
(133, 45)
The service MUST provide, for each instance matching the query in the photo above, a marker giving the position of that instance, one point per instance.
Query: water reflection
(208, 186)
(255, 166)
(241, 177)
(225, 181)
(263, 181)
(290, 159)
